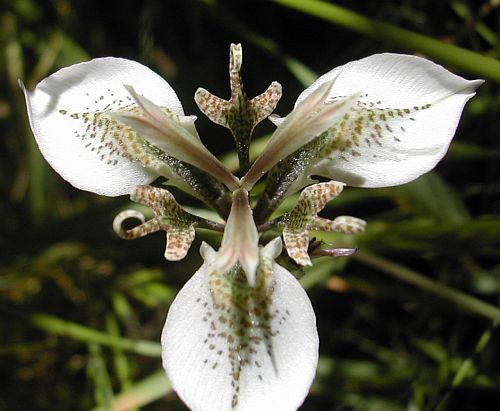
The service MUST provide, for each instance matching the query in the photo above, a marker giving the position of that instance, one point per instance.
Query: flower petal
(172, 136)
(401, 125)
(179, 240)
(228, 346)
(68, 115)
(239, 112)
(169, 217)
(310, 118)
(297, 245)
(240, 242)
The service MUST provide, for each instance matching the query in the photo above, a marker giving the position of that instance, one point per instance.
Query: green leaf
(154, 294)
(459, 57)
(98, 373)
(81, 333)
(433, 196)
(142, 393)
(460, 299)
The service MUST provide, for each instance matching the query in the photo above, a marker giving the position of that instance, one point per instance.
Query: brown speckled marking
(303, 218)
(241, 321)
(111, 140)
(341, 224)
(239, 114)
(169, 217)
(238, 110)
(366, 124)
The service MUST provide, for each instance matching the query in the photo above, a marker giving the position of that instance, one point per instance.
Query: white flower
(392, 118)
(229, 346)
(101, 135)
(241, 334)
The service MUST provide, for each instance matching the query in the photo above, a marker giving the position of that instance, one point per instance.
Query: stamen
(303, 218)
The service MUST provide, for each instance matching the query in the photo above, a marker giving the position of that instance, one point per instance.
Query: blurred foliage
(82, 311)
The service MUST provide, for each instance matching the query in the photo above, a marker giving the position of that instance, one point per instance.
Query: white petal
(272, 249)
(275, 119)
(159, 116)
(403, 122)
(169, 134)
(204, 345)
(240, 242)
(308, 120)
(80, 156)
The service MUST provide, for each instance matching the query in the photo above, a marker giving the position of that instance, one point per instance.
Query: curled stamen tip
(125, 215)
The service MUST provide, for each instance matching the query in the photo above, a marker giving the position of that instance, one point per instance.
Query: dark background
(385, 344)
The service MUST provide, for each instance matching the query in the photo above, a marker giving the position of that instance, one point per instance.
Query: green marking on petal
(113, 141)
(312, 117)
(175, 137)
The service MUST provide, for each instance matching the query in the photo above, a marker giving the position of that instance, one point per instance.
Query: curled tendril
(169, 217)
(132, 233)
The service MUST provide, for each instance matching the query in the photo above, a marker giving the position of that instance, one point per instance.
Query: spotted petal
(303, 218)
(227, 346)
(401, 125)
(70, 116)
(169, 217)
(171, 135)
(239, 114)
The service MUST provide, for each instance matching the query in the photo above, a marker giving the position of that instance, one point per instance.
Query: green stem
(411, 277)
(243, 149)
(457, 56)
(120, 360)
(78, 332)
